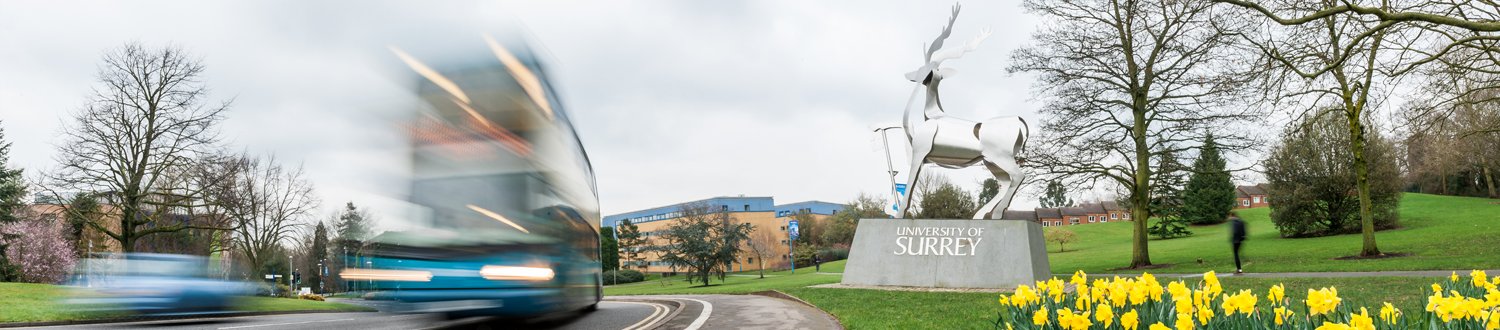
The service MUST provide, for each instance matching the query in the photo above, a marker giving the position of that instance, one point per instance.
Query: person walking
(817, 264)
(1237, 238)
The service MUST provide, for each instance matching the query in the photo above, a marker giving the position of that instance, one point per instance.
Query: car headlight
(499, 273)
(360, 274)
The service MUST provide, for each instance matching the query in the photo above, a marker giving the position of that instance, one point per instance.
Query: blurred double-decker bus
(507, 217)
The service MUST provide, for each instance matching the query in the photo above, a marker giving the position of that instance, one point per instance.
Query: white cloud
(675, 100)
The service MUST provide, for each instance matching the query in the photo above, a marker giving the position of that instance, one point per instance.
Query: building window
(1074, 220)
(1091, 219)
(1257, 199)
(750, 260)
(1245, 202)
(1114, 216)
(747, 207)
(724, 208)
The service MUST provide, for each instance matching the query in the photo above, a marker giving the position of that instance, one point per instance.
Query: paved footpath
(1392, 273)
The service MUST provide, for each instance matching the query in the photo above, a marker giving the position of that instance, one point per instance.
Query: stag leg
(920, 147)
(1001, 139)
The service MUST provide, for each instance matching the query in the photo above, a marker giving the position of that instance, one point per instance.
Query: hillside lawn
(27, 302)
(1439, 232)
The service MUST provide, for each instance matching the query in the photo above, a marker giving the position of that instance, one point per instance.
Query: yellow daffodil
(1277, 292)
(1024, 296)
(1070, 321)
(1211, 283)
(1454, 277)
(1494, 320)
(1040, 317)
(1333, 326)
(1479, 279)
(1362, 321)
(1205, 314)
(1158, 326)
(1079, 278)
(1104, 314)
(1184, 322)
(1178, 290)
(1138, 293)
(1282, 315)
(1437, 288)
(1322, 301)
(1130, 320)
(1242, 302)
(1389, 314)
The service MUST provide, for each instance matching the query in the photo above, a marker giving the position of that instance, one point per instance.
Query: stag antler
(953, 53)
(947, 29)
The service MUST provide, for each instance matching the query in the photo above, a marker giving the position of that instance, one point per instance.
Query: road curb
(664, 320)
(163, 318)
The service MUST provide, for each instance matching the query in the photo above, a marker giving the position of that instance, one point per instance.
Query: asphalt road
(611, 315)
(669, 312)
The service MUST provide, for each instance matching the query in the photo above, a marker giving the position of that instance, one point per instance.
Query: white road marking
(658, 311)
(702, 317)
(278, 324)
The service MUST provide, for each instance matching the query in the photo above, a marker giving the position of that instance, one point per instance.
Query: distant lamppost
(890, 169)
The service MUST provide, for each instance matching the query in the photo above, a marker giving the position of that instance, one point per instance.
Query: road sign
(791, 228)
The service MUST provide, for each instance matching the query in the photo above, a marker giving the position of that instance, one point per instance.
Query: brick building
(761, 212)
(1251, 196)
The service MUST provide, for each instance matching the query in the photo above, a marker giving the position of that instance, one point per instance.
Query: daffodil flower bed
(1143, 302)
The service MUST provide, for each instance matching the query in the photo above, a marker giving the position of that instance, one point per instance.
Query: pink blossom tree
(40, 248)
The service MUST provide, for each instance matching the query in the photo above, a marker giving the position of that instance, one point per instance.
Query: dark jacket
(1236, 230)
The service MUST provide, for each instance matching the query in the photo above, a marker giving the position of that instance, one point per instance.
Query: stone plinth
(988, 254)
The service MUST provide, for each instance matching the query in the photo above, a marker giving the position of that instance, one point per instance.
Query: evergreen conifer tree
(1209, 194)
(12, 200)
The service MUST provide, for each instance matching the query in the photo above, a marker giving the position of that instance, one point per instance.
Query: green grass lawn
(26, 302)
(1441, 232)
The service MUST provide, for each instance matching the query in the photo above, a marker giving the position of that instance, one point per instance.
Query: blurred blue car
(153, 284)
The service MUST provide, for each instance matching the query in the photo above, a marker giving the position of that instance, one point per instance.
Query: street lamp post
(890, 169)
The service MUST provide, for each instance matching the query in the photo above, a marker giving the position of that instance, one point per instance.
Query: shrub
(1312, 181)
(833, 253)
(39, 250)
(623, 276)
(311, 297)
(284, 291)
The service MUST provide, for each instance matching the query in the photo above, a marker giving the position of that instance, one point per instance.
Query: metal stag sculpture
(952, 142)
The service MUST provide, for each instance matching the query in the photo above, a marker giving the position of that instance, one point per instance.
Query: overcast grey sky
(675, 100)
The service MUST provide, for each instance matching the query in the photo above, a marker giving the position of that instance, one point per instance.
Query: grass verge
(26, 302)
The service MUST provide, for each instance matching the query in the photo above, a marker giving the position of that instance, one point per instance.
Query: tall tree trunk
(1489, 182)
(1141, 197)
(1362, 182)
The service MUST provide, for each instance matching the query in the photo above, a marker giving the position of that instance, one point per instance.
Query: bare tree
(1124, 81)
(762, 244)
(267, 203)
(1332, 65)
(138, 134)
(1450, 25)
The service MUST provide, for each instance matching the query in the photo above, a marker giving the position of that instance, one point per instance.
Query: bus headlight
(360, 274)
(499, 273)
